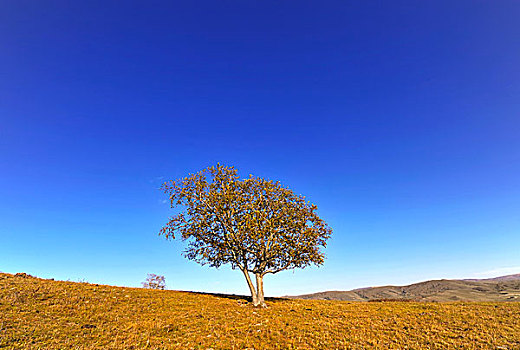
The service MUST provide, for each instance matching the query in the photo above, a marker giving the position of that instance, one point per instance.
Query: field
(45, 314)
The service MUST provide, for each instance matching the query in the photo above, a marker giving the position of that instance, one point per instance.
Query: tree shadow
(237, 297)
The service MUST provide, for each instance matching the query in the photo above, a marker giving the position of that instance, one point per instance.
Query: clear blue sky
(400, 120)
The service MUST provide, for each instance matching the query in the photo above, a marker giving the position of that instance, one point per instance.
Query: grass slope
(44, 314)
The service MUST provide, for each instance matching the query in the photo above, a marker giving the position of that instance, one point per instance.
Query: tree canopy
(253, 224)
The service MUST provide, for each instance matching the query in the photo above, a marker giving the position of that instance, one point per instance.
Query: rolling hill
(504, 288)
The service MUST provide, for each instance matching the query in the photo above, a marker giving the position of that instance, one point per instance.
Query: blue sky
(400, 120)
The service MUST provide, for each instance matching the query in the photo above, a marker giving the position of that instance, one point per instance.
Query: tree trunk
(260, 291)
(257, 294)
(250, 285)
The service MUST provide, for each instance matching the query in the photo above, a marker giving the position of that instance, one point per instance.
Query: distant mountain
(504, 288)
(498, 279)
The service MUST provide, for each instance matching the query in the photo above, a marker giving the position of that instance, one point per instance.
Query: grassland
(44, 314)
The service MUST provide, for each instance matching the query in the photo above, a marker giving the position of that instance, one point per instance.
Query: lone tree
(154, 281)
(255, 225)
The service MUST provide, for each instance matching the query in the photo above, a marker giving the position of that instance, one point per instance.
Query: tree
(255, 225)
(154, 281)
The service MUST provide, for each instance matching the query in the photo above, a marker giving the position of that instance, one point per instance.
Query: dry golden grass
(43, 314)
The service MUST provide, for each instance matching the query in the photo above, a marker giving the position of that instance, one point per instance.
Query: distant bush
(154, 281)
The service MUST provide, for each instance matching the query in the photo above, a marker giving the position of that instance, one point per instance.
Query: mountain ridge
(502, 288)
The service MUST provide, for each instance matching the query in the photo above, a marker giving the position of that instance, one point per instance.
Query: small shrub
(154, 281)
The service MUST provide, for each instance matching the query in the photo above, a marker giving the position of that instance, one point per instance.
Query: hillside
(505, 288)
(44, 314)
